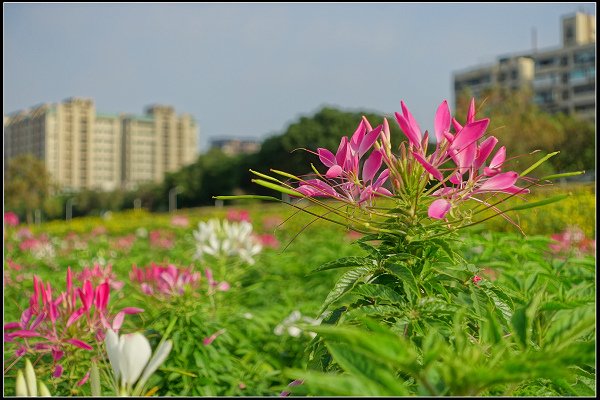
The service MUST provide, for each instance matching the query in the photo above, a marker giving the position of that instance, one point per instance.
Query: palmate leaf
(405, 275)
(374, 311)
(367, 368)
(380, 342)
(333, 384)
(380, 293)
(569, 326)
(344, 262)
(345, 283)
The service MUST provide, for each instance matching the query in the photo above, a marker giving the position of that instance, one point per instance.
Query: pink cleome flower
(161, 239)
(61, 324)
(164, 281)
(11, 219)
(238, 216)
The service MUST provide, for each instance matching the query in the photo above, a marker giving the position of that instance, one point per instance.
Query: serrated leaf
(406, 277)
(345, 262)
(379, 292)
(345, 283)
(364, 365)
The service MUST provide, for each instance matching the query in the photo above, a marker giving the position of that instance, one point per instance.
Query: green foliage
(27, 185)
(577, 209)
(536, 335)
(523, 127)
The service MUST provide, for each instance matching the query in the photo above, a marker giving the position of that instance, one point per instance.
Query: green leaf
(405, 276)
(539, 203)
(345, 283)
(344, 262)
(379, 292)
(330, 384)
(519, 323)
(563, 175)
(247, 197)
(277, 188)
(368, 368)
(538, 163)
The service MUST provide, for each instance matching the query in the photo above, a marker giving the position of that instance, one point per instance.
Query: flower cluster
(457, 170)
(164, 280)
(290, 324)
(222, 238)
(572, 240)
(54, 323)
(99, 274)
(40, 247)
(238, 216)
(180, 221)
(11, 219)
(161, 239)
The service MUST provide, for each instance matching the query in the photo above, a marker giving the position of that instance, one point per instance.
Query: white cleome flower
(289, 324)
(226, 239)
(129, 356)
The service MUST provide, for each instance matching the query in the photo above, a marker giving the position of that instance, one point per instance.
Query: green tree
(27, 186)
(523, 127)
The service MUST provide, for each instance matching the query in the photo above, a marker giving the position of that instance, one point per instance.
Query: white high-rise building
(83, 149)
(562, 79)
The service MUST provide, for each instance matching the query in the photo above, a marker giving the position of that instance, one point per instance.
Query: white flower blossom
(289, 324)
(129, 356)
(226, 239)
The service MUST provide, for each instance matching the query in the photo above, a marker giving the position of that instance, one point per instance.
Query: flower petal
(442, 121)
(135, 354)
(428, 167)
(372, 165)
(499, 182)
(326, 157)
(439, 208)
(470, 134)
(113, 351)
(498, 158)
(334, 171)
(160, 355)
(368, 140)
(79, 343)
(484, 151)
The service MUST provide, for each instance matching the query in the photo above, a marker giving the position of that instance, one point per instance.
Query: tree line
(515, 120)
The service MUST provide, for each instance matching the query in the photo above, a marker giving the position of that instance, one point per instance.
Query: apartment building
(562, 79)
(233, 147)
(83, 149)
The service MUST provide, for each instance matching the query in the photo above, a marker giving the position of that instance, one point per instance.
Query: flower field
(428, 274)
(244, 340)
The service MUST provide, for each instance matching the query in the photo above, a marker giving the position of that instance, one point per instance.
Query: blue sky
(250, 69)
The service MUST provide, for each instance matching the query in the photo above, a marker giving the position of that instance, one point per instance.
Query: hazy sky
(250, 69)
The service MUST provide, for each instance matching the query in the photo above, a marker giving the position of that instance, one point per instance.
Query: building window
(589, 88)
(569, 34)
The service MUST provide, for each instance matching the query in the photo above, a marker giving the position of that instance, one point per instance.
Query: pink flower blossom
(344, 179)
(11, 219)
(61, 323)
(162, 239)
(572, 240)
(99, 274)
(164, 280)
(180, 221)
(238, 216)
(124, 243)
(268, 240)
(476, 279)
